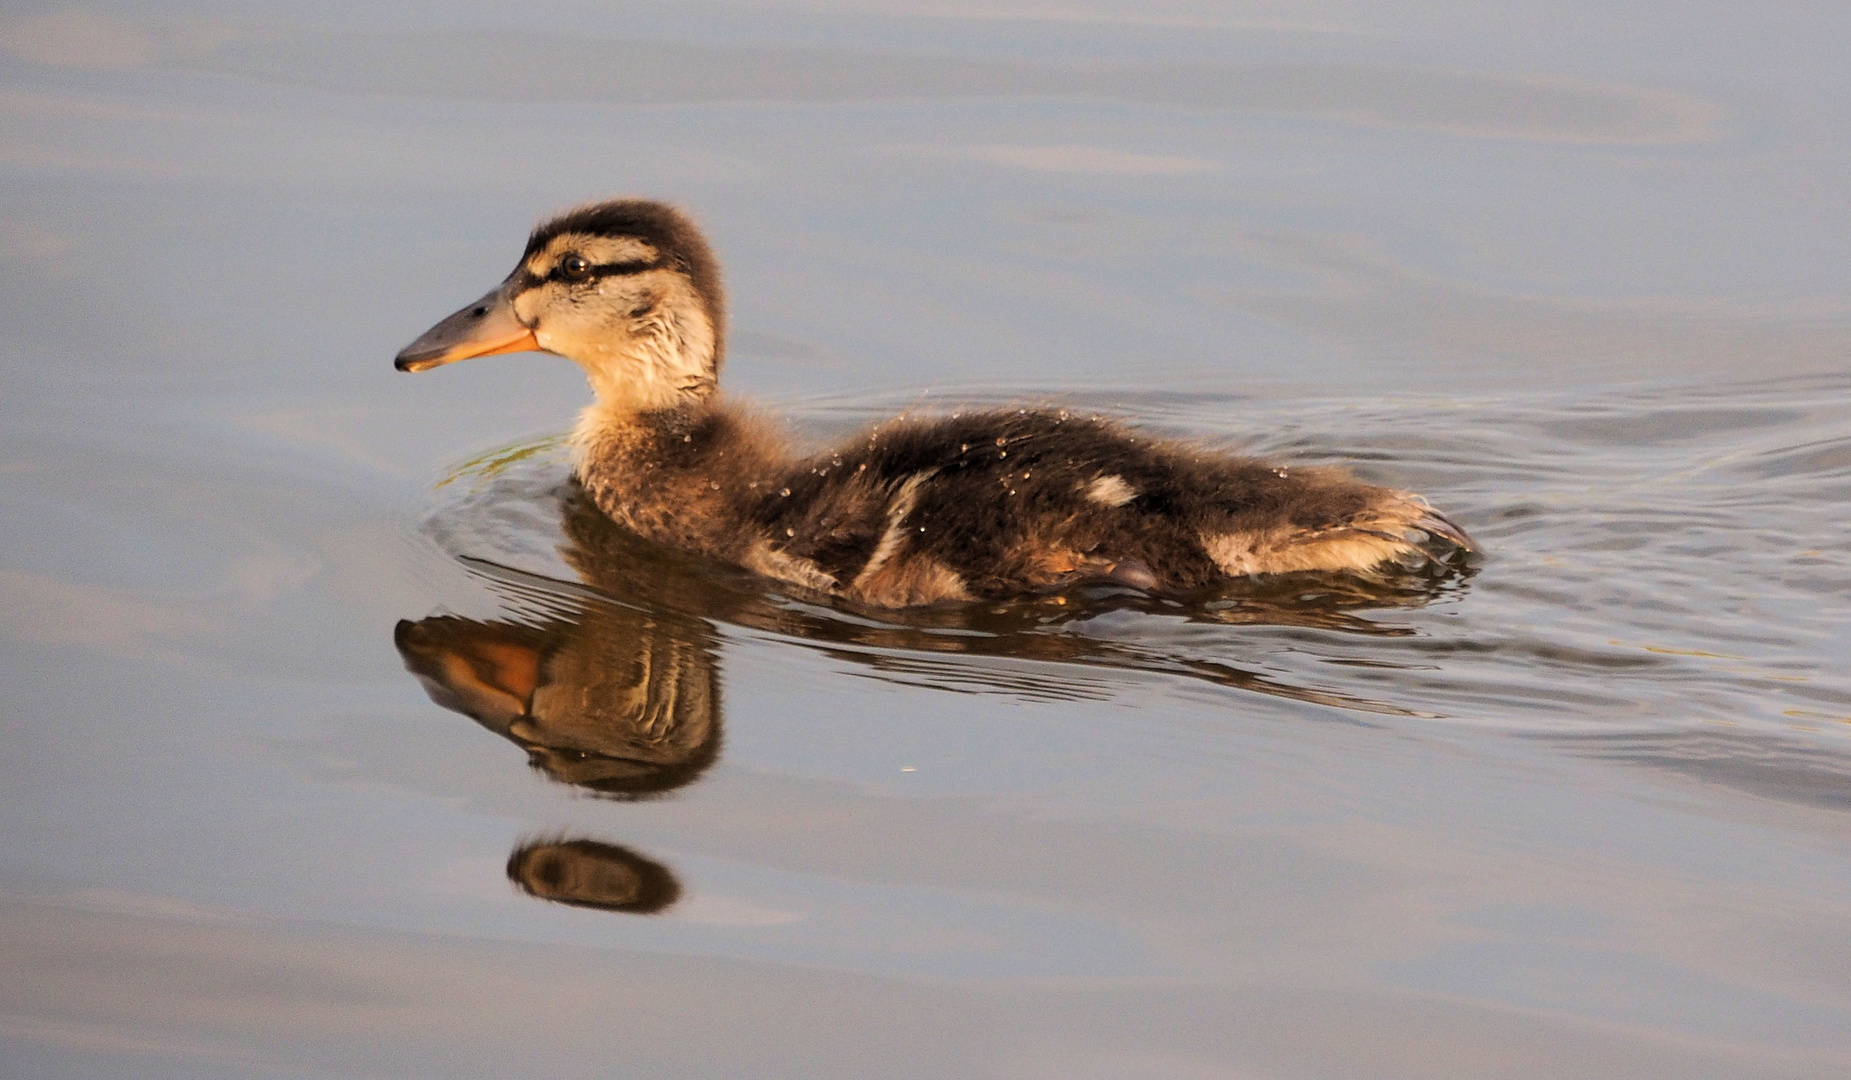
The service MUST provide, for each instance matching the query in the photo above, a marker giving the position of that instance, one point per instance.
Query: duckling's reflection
(614, 699)
(587, 873)
(617, 690)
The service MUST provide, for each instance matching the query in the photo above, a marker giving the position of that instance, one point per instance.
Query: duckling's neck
(663, 357)
(682, 476)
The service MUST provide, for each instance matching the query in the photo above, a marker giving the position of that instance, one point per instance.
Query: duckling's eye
(574, 268)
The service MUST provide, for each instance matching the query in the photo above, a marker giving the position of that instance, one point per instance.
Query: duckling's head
(627, 289)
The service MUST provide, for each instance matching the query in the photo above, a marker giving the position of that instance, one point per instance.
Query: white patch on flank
(1111, 491)
(1233, 552)
(897, 508)
(1344, 550)
(769, 561)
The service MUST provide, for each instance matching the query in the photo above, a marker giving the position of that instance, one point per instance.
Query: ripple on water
(1658, 561)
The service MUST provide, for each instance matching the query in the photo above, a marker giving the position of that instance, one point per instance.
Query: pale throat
(663, 363)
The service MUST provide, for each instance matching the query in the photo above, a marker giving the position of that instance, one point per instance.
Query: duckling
(976, 506)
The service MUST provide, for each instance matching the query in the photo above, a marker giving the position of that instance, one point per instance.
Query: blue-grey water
(1580, 808)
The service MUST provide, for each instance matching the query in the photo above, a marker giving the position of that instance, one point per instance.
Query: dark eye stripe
(634, 266)
(598, 270)
(530, 280)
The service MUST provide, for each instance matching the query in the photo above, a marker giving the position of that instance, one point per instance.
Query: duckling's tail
(1434, 523)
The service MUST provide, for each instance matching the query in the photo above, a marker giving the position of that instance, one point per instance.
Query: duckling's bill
(484, 328)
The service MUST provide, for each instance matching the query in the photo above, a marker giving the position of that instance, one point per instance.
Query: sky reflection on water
(1576, 271)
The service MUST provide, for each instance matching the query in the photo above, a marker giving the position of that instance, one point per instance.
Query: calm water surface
(1581, 807)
